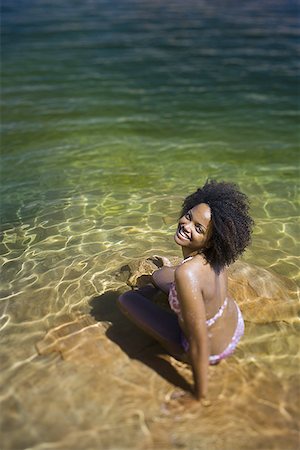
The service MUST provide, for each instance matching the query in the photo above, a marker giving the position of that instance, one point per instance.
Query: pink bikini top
(175, 305)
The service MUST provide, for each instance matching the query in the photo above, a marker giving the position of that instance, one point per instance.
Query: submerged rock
(123, 380)
(262, 295)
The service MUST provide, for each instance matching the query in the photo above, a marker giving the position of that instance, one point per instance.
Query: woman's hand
(187, 397)
(179, 401)
(160, 261)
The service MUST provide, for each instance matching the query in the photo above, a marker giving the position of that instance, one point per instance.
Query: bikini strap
(187, 259)
(211, 321)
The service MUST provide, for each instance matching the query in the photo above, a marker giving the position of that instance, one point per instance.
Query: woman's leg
(155, 321)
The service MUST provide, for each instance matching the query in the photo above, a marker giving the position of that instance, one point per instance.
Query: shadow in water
(133, 341)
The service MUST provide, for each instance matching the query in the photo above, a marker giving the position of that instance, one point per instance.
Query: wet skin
(200, 292)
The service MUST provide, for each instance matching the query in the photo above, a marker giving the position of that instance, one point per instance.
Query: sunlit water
(112, 112)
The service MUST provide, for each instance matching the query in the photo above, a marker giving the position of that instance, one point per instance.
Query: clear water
(112, 112)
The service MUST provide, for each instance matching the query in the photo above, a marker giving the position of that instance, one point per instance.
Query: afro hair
(231, 222)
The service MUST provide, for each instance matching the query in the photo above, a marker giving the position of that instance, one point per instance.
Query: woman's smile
(182, 233)
(192, 230)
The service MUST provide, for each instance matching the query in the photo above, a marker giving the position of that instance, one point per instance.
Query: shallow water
(112, 113)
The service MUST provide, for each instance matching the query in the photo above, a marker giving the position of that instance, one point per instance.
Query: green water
(112, 112)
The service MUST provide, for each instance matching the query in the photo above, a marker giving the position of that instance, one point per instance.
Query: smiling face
(193, 229)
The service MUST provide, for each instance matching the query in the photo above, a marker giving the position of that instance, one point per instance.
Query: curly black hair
(231, 222)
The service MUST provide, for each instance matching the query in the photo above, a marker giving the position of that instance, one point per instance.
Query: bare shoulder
(192, 270)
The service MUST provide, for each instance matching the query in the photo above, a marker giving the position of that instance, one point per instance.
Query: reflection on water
(113, 113)
(65, 345)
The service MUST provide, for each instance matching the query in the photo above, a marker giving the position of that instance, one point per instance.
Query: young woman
(213, 230)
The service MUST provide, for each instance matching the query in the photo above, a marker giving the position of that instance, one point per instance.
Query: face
(194, 228)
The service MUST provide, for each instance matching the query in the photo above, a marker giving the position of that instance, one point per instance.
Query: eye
(199, 229)
(188, 215)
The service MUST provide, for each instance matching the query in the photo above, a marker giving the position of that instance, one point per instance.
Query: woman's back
(221, 311)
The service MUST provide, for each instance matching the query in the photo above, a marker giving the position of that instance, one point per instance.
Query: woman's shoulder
(192, 268)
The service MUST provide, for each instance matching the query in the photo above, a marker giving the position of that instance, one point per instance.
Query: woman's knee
(126, 299)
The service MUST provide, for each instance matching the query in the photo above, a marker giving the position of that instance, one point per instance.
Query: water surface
(112, 113)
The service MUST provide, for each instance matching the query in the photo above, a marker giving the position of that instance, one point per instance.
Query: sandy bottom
(91, 380)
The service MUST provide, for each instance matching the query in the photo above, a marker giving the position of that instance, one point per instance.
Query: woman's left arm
(194, 317)
(162, 278)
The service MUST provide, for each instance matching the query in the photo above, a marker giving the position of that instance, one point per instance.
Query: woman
(213, 230)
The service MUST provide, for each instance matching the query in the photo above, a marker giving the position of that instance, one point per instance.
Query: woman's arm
(193, 313)
(162, 278)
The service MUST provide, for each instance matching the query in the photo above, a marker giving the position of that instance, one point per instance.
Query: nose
(187, 227)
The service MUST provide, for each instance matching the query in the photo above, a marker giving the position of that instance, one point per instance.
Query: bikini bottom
(239, 331)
